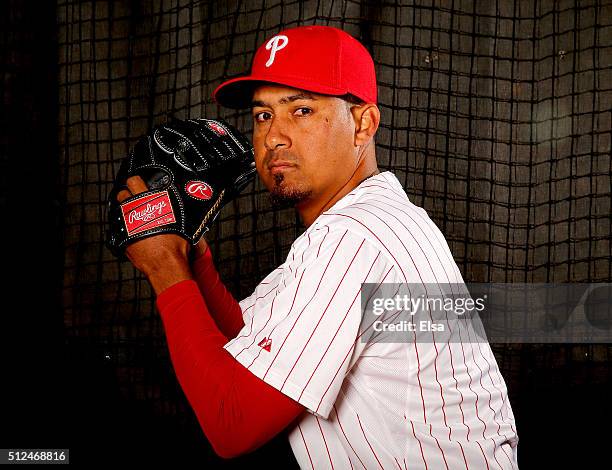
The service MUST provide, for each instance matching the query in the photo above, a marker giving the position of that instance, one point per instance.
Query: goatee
(283, 197)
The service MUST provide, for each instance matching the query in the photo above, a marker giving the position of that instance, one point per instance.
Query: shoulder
(336, 247)
(378, 210)
(327, 240)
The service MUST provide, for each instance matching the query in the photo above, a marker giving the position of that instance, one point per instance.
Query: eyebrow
(285, 99)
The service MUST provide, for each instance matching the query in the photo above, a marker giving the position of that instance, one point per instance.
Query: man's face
(304, 144)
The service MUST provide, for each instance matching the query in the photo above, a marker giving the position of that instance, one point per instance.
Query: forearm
(237, 411)
(163, 259)
(221, 304)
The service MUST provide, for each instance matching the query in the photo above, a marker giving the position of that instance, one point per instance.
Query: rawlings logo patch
(151, 211)
(217, 128)
(199, 190)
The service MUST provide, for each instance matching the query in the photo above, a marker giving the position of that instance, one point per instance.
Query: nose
(277, 136)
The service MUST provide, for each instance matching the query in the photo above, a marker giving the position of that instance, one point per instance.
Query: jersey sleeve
(222, 306)
(303, 337)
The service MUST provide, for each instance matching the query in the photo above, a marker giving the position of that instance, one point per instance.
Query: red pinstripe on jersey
(290, 309)
(444, 406)
(327, 348)
(272, 331)
(347, 439)
(346, 356)
(319, 321)
(295, 295)
(437, 280)
(448, 280)
(331, 462)
(365, 437)
(420, 445)
(305, 446)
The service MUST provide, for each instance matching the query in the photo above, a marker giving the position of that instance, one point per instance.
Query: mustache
(274, 156)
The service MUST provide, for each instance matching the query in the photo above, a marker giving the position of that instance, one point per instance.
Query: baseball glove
(192, 169)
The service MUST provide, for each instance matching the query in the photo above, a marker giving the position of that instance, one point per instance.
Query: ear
(367, 119)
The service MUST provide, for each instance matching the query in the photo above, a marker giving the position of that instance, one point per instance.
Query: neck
(311, 209)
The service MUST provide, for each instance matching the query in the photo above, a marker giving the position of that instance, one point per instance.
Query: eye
(262, 116)
(303, 111)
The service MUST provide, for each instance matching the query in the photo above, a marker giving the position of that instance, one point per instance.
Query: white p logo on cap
(274, 45)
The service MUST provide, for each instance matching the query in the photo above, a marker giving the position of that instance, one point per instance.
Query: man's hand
(162, 258)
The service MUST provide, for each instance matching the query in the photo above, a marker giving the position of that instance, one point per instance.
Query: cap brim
(237, 93)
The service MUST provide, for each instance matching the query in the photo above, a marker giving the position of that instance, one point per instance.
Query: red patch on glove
(199, 190)
(150, 211)
(217, 128)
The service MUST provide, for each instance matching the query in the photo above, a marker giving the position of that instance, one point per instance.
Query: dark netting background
(496, 117)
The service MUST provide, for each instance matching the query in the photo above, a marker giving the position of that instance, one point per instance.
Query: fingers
(123, 195)
(135, 185)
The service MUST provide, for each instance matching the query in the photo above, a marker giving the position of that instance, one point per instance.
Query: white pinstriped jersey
(405, 405)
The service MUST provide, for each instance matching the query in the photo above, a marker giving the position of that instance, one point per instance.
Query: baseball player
(290, 356)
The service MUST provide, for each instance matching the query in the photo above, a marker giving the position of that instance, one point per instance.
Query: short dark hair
(352, 99)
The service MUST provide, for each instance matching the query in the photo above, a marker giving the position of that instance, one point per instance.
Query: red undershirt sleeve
(221, 304)
(237, 411)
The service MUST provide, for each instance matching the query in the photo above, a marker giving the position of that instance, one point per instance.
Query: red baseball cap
(320, 59)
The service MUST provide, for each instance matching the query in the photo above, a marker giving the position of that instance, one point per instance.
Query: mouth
(280, 167)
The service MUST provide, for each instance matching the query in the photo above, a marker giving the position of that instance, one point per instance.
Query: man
(295, 358)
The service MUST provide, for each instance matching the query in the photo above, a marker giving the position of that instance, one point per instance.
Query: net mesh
(496, 117)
